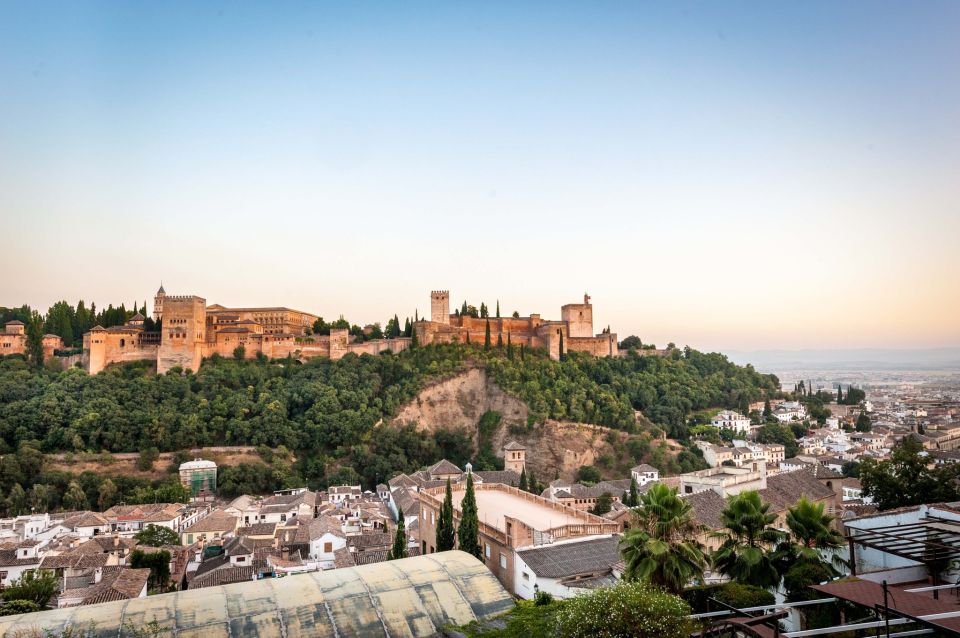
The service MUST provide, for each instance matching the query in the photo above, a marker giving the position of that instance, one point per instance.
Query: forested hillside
(331, 413)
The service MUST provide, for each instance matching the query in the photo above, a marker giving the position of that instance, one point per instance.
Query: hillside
(344, 419)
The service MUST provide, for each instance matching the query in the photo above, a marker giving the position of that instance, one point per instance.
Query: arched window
(123, 342)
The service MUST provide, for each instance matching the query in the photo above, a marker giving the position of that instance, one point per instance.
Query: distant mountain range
(856, 359)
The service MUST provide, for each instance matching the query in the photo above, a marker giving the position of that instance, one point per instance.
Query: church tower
(514, 457)
(158, 303)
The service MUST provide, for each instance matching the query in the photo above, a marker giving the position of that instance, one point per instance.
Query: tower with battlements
(184, 333)
(440, 306)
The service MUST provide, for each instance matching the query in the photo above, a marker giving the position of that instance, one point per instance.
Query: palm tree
(661, 547)
(745, 554)
(811, 538)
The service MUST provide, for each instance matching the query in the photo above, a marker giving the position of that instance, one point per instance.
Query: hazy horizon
(749, 177)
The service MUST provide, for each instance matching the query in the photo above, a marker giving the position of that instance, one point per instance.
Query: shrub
(626, 609)
(742, 596)
(12, 607)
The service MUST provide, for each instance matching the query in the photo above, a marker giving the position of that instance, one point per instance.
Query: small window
(503, 560)
(526, 576)
(327, 547)
(486, 550)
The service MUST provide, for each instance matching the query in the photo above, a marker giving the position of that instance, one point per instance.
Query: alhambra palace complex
(192, 330)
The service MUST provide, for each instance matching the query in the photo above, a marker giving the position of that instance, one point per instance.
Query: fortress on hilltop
(189, 330)
(573, 332)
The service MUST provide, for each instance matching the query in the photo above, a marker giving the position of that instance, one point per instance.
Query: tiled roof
(444, 467)
(8, 558)
(216, 521)
(369, 540)
(258, 529)
(343, 558)
(784, 490)
(821, 471)
(506, 477)
(74, 560)
(124, 584)
(644, 467)
(707, 506)
(513, 445)
(223, 576)
(569, 559)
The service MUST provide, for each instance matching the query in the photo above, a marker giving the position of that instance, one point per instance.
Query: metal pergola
(933, 542)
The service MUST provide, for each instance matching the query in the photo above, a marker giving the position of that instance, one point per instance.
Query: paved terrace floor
(493, 505)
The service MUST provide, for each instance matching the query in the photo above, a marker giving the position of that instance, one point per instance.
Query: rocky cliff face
(552, 448)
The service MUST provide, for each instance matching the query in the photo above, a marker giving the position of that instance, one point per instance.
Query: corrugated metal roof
(409, 597)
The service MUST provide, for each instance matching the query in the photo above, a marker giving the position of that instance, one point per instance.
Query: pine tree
(399, 549)
(469, 532)
(523, 480)
(498, 308)
(486, 336)
(446, 534)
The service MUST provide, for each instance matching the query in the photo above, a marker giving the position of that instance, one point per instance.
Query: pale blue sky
(736, 175)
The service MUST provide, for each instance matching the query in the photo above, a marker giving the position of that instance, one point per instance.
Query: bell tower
(514, 457)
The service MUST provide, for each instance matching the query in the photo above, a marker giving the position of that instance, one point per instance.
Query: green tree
(17, 500)
(863, 423)
(158, 562)
(399, 549)
(498, 308)
(779, 433)
(240, 353)
(523, 481)
(74, 498)
(811, 538)
(661, 546)
(748, 536)
(486, 336)
(12, 607)
(634, 493)
(509, 348)
(905, 478)
(147, 458)
(446, 534)
(603, 504)
(35, 339)
(588, 474)
(106, 494)
(468, 535)
(34, 586)
(157, 536)
(839, 395)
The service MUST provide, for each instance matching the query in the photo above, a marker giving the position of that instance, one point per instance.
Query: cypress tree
(468, 338)
(399, 549)
(523, 480)
(561, 345)
(521, 352)
(533, 486)
(625, 498)
(486, 336)
(413, 339)
(498, 308)
(634, 493)
(499, 341)
(839, 395)
(469, 532)
(766, 408)
(35, 339)
(463, 309)
(445, 531)
(509, 348)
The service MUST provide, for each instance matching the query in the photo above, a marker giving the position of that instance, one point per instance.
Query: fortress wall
(604, 345)
(376, 347)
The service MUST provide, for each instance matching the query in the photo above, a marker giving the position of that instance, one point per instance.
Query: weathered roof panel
(408, 597)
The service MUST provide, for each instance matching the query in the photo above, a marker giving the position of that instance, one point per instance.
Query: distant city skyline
(764, 176)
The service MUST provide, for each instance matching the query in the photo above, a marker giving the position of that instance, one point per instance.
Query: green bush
(11, 607)
(742, 596)
(733, 594)
(626, 609)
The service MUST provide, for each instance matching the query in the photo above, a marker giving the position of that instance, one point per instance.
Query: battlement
(184, 298)
(439, 293)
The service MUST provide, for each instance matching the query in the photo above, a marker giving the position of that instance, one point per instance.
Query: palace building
(572, 333)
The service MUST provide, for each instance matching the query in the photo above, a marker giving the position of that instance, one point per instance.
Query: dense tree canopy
(332, 415)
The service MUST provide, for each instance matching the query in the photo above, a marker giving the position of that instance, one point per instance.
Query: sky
(739, 175)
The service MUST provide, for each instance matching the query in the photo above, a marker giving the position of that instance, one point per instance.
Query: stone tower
(184, 332)
(158, 303)
(440, 306)
(514, 457)
(578, 317)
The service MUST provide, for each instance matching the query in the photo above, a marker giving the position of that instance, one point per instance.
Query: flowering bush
(626, 610)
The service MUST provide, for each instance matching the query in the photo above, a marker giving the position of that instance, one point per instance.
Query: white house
(566, 568)
(644, 474)
(339, 494)
(730, 420)
(14, 562)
